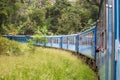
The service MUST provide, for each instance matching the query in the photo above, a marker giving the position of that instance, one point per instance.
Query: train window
(55, 40)
(71, 40)
(86, 39)
(65, 40)
(80, 40)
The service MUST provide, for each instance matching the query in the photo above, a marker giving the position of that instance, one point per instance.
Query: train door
(117, 38)
(101, 42)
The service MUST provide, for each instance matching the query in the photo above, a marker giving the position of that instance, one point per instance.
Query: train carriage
(108, 58)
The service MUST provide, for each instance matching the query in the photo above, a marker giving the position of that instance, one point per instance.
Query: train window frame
(71, 40)
(65, 40)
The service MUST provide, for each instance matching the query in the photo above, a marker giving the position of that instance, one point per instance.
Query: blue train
(108, 40)
(82, 42)
(101, 42)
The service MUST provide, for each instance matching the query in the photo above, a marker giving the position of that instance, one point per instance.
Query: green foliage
(39, 39)
(28, 27)
(60, 17)
(73, 17)
(41, 31)
(69, 21)
(40, 36)
(38, 16)
(11, 29)
(8, 13)
(31, 46)
(55, 13)
(8, 47)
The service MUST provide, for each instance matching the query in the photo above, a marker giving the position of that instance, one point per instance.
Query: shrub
(3, 46)
(8, 47)
(31, 46)
(38, 40)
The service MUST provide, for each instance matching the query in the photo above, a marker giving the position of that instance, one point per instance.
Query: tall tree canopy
(59, 16)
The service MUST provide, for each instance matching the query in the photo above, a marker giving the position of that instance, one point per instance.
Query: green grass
(44, 64)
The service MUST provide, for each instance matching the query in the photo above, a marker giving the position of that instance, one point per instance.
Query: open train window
(80, 40)
(65, 40)
(71, 40)
(55, 40)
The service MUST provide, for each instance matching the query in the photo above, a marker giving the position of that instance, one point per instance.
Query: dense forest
(52, 17)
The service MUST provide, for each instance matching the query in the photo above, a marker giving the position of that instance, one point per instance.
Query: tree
(89, 11)
(71, 21)
(8, 13)
(55, 12)
(60, 17)
(38, 16)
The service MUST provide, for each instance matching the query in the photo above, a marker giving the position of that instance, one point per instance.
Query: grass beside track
(44, 64)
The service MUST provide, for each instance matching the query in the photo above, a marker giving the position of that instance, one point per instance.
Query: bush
(31, 46)
(38, 39)
(8, 47)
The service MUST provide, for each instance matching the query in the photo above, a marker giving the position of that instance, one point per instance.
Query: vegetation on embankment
(8, 47)
(43, 64)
